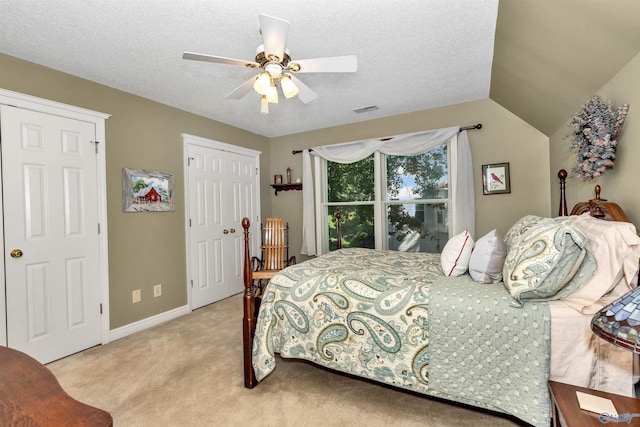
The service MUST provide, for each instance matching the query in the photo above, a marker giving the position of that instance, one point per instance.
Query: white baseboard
(149, 322)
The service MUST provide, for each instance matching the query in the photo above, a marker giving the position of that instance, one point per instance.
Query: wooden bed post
(562, 175)
(249, 320)
(338, 229)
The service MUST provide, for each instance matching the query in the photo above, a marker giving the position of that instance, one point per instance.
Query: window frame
(380, 204)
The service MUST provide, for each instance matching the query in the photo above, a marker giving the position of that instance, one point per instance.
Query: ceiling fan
(272, 57)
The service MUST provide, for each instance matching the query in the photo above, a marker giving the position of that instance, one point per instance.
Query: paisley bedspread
(393, 317)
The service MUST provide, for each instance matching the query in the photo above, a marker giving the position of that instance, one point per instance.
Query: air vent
(365, 109)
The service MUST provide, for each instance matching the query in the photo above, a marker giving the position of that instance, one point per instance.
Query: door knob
(16, 253)
(225, 231)
(233, 230)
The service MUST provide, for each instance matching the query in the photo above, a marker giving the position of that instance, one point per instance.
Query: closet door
(221, 191)
(49, 176)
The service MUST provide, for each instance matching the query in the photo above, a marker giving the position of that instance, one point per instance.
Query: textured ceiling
(412, 55)
(541, 59)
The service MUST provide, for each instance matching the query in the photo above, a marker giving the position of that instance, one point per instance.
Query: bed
(489, 334)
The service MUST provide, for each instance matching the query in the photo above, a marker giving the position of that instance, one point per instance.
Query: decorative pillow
(543, 260)
(520, 227)
(487, 258)
(456, 253)
(616, 246)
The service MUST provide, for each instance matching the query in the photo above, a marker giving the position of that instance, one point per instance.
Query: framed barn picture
(147, 191)
(495, 179)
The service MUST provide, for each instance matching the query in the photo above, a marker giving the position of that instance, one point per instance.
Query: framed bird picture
(495, 179)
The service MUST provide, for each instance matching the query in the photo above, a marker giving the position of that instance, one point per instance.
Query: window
(351, 191)
(416, 202)
(386, 202)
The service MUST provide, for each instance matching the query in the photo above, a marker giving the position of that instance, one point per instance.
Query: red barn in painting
(148, 195)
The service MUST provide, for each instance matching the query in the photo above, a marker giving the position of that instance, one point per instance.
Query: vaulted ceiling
(538, 58)
(550, 56)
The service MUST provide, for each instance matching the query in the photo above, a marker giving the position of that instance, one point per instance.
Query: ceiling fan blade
(219, 59)
(274, 35)
(243, 89)
(335, 64)
(305, 93)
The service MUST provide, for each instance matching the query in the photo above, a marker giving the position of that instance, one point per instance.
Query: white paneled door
(221, 190)
(51, 238)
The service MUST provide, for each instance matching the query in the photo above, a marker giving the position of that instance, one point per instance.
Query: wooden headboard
(598, 208)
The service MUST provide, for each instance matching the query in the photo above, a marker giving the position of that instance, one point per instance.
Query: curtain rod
(472, 127)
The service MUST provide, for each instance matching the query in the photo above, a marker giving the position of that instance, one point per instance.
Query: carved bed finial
(596, 208)
(597, 189)
(562, 175)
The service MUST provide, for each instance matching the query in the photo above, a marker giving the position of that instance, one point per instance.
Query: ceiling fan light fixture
(274, 60)
(289, 88)
(264, 106)
(272, 93)
(262, 83)
(274, 69)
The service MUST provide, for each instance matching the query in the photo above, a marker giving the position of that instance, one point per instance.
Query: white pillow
(487, 258)
(456, 253)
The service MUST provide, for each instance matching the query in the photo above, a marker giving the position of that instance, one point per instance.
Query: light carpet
(188, 372)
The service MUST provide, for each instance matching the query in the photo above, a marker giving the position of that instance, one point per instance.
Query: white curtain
(401, 145)
(308, 207)
(463, 215)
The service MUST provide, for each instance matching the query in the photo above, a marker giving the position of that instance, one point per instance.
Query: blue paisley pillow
(520, 227)
(544, 257)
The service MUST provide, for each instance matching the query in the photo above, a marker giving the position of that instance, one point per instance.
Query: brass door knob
(225, 231)
(233, 230)
(16, 253)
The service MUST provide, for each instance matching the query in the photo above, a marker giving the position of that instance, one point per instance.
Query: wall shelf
(286, 187)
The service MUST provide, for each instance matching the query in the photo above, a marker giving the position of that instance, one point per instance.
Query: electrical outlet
(136, 296)
(157, 290)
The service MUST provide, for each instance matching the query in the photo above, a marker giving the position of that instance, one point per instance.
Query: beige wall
(144, 248)
(620, 184)
(503, 138)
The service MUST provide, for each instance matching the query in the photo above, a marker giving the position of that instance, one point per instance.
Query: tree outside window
(414, 201)
(351, 191)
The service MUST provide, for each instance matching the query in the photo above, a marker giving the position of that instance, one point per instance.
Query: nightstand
(566, 411)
